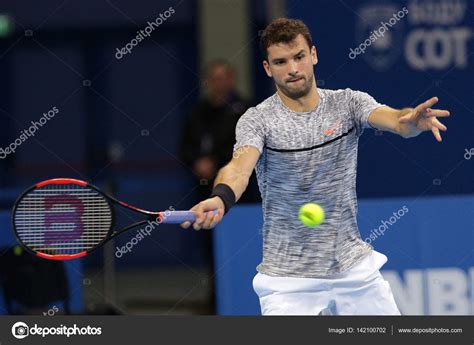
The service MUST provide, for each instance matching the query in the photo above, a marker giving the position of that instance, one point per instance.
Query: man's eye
(279, 63)
(299, 57)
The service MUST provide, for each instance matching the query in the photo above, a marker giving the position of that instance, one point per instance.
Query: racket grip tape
(178, 217)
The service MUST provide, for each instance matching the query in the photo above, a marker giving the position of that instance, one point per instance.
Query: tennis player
(303, 143)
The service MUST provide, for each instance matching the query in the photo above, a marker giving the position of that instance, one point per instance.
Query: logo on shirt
(331, 130)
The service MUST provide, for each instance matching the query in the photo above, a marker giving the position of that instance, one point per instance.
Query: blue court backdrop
(429, 243)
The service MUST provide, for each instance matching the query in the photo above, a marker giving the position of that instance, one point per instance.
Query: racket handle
(178, 217)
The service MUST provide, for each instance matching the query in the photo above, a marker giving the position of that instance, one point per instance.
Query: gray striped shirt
(308, 157)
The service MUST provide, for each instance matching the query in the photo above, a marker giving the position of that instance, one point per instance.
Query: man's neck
(302, 104)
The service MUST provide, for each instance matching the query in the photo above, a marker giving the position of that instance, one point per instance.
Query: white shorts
(361, 290)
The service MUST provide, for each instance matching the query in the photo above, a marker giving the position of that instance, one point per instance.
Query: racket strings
(62, 219)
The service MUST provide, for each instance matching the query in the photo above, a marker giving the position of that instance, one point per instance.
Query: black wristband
(227, 195)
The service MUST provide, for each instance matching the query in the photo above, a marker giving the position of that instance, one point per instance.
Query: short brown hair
(283, 30)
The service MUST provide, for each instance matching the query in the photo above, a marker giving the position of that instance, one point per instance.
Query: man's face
(291, 66)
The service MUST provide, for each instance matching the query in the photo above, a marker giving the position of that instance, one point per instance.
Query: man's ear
(314, 55)
(266, 67)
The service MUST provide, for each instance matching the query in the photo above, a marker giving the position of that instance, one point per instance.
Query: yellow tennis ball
(311, 214)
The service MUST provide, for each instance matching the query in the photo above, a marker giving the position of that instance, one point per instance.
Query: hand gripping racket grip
(178, 217)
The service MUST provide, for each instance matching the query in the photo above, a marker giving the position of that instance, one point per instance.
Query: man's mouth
(294, 80)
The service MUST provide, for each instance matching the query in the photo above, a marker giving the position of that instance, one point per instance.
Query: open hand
(424, 118)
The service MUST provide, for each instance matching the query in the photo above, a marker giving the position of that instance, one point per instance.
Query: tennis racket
(63, 218)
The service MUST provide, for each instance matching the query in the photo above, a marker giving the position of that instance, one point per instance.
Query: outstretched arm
(409, 122)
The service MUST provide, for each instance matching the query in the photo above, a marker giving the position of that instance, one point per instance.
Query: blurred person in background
(209, 131)
(209, 136)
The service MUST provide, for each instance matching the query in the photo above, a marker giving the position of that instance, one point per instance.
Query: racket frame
(152, 216)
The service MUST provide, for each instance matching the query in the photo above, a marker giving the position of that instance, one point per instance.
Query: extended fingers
(439, 125)
(436, 133)
(437, 112)
(428, 104)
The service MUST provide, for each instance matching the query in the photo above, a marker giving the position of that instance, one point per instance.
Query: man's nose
(293, 68)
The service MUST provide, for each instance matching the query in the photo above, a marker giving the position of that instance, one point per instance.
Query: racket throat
(158, 218)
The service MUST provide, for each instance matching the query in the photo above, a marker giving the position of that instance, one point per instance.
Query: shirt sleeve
(250, 130)
(361, 105)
